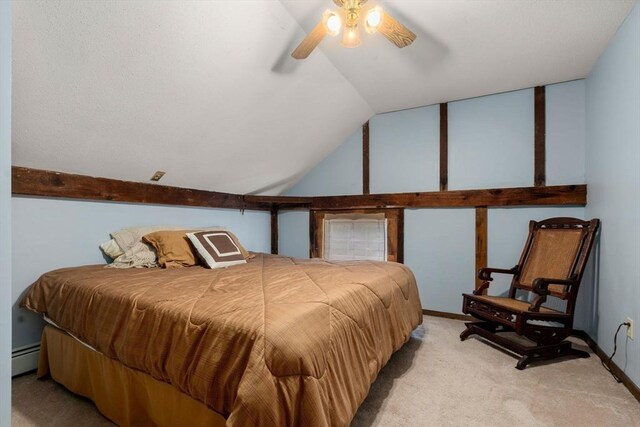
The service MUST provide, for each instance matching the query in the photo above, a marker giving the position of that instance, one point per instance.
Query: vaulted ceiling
(207, 91)
(469, 48)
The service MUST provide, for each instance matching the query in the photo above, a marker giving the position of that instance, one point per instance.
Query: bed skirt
(124, 395)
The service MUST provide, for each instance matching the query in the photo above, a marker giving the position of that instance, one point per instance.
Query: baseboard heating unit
(24, 359)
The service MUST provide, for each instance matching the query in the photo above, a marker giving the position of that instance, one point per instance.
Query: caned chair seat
(512, 304)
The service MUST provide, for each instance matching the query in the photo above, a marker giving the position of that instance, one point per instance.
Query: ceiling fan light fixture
(351, 37)
(374, 19)
(333, 23)
(350, 16)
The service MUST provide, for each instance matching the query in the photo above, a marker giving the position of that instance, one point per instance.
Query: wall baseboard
(446, 315)
(25, 359)
(628, 383)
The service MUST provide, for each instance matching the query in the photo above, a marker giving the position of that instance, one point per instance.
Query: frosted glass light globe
(374, 17)
(334, 24)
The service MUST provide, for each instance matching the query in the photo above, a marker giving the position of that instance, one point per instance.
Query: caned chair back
(557, 248)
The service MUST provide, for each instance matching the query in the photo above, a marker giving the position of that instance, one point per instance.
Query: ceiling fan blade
(310, 42)
(395, 32)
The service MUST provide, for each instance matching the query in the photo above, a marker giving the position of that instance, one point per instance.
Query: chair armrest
(485, 275)
(540, 286)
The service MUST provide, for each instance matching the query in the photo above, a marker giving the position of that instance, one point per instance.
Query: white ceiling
(207, 92)
(468, 48)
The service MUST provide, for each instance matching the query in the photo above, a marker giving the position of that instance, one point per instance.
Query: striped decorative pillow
(217, 248)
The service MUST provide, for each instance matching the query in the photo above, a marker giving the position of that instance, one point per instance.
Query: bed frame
(126, 396)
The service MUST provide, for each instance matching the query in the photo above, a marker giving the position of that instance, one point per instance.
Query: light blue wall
(5, 213)
(69, 232)
(565, 136)
(439, 247)
(404, 151)
(613, 176)
(293, 234)
(491, 141)
(490, 145)
(339, 173)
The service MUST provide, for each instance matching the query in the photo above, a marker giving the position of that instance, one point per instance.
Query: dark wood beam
(274, 231)
(539, 171)
(444, 147)
(481, 241)
(365, 158)
(560, 195)
(36, 182)
(278, 202)
(314, 251)
(400, 249)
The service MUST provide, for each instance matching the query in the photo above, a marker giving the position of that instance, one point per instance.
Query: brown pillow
(216, 248)
(172, 248)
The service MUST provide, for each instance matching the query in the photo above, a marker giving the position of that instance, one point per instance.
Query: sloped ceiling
(207, 92)
(469, 48)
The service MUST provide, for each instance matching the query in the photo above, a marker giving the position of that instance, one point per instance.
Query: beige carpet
(434, 380)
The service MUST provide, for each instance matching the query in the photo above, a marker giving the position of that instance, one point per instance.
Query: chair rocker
(551, 265)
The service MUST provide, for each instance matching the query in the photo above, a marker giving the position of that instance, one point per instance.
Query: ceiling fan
(374, 20)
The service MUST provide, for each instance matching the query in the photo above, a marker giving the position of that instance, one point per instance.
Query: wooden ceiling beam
(560, 195)
(539, 153)
(365, 159)
(444, 147)
(279, 202)
(36, 182)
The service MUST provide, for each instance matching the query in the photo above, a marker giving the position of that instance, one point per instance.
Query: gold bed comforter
(275, 342)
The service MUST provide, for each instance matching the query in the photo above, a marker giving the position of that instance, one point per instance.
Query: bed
(277, 341)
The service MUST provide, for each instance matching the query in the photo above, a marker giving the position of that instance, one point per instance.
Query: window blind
(358, 238)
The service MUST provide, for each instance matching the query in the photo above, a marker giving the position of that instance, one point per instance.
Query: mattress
(278, 341)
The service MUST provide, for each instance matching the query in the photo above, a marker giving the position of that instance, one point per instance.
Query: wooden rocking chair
(551, 265)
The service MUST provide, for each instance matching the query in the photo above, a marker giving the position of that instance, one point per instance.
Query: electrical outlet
(630, 327)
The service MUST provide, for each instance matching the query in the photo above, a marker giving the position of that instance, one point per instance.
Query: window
(371, 234)
(348, 236)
